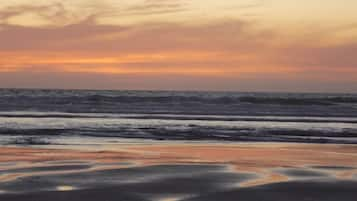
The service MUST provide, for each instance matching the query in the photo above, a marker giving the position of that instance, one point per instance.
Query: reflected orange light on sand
(240, 157)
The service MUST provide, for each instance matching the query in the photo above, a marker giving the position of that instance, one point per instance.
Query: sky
(231, 45)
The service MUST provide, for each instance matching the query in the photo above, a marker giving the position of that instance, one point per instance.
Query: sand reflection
(259, 159)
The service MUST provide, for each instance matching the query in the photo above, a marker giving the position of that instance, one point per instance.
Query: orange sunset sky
(243, 45)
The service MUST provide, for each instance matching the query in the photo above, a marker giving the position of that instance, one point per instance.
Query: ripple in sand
(65, 188)
(334, 168)
(170, 199)
(38, 169)
(302, 173)
(7, 164)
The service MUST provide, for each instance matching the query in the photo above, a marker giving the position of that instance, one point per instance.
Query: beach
(74, 145)
(178, 100)
(180, 171)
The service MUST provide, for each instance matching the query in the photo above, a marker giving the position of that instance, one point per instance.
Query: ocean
(42, 117)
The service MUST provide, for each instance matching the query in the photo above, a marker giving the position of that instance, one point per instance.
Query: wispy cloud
(56, 14)
(150, 7)
(59, 14)
(224, 48)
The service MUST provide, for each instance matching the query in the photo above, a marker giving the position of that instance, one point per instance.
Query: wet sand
(181, 171)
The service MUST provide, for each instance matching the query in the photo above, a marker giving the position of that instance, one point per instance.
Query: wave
(185, 97)
(31, 136)
(326, 101)
(168, 115)
(178, 129)
(183, 103)
(28, 114)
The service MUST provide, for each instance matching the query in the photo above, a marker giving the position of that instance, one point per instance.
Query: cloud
(150, 7)
(55, 14)
(230, 46)
(59, 13)
(89, 36)
(230, 52)
(216, 48)
(339, 57)
(14, 37)
(246, 82)
(249, 5)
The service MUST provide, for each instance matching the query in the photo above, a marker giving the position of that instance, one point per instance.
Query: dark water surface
(39, 116)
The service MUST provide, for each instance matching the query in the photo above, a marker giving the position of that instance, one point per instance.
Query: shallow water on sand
(180, 171)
